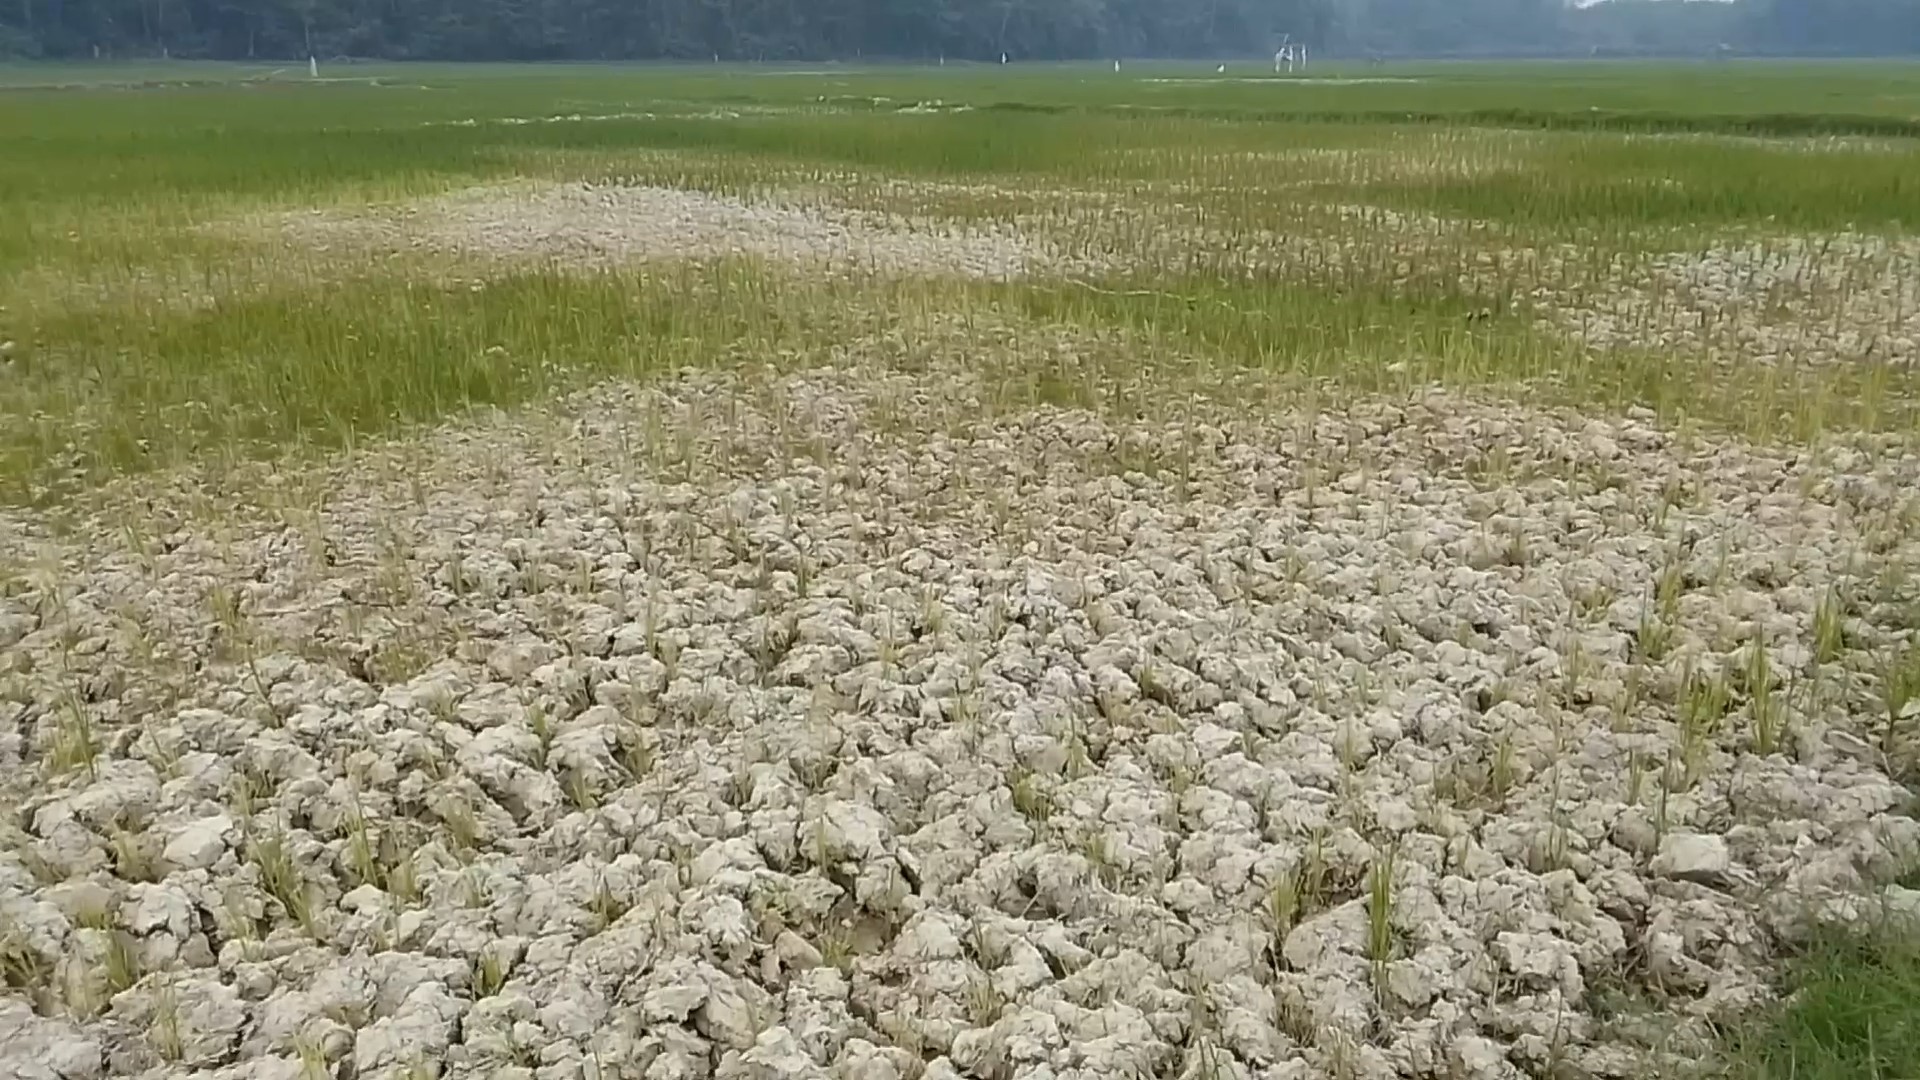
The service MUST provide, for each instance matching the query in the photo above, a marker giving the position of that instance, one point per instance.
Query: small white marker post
(1116, 67)
(313, 68)
(1003, 58)
(1291, 53)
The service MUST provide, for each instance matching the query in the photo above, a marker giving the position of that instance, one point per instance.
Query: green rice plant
(476, 888)
(280, 877)
(1669, 588)
(76, 745)
(1705, 701)
(134, 858)
(312, 1057)
(984, 1003)
(403, 881)
(1382, 939)
(121, 966)
(1096, 846)
(165, 1033)
(22, 967)
(1899, 695)
(836, 945)
(95, 913)
(363, 850)
(1298, 892)
(489, 973)
(1829, 628)
(462, 825)
(543, 732)
(1079, 763)
(1029, 797)
(1593, 600)
(1766, 709)
(634, 744)
(1653, 638)
(580, 790)
(1501, 772)
(1284, 902)
(1662, 822)
(606, 907)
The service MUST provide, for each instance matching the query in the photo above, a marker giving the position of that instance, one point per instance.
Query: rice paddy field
(1399, 571)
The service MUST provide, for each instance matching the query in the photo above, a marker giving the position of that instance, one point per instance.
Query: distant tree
(1657, 28)
(978, 29)
(1859, 27)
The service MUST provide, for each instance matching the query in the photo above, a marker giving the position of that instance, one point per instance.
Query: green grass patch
(1610, 182)
(1853, 1013)
(124, 391)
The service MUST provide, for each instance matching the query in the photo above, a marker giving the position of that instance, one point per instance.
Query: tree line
(790, 30)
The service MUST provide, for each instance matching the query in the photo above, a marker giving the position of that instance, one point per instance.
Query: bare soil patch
(593, 225)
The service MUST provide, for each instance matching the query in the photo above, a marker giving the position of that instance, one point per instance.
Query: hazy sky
(1590, 3)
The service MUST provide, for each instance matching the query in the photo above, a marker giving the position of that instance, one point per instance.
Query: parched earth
(1838, 299)
(861, 722)
(589, 226)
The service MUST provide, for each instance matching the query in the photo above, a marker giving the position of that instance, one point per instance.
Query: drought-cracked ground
(860, 721)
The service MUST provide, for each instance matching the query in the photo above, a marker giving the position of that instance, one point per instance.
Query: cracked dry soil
(587, 226)
(737, 727)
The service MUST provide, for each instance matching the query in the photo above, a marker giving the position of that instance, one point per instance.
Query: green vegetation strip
(1853, 1013)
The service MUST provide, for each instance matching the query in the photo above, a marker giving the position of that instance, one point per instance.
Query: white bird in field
(1221, 70)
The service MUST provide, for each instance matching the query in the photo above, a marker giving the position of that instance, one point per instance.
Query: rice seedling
(134, 857)
(1900, 697)
(606, 906)
(281, 878)
(122, 967)
(1766, 706)
(1030, 798)
(312, 1058)
(165, 1034)
(1705, 700)
(489, 973)
(75, 744)
(22, 968)
(984, 1001)
(1382, 936)
(1829, 629)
